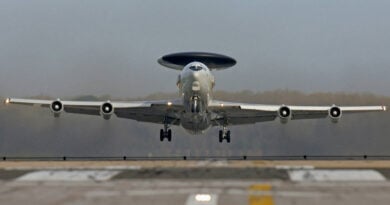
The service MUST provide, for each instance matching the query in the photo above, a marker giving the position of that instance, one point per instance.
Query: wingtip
(7, 101)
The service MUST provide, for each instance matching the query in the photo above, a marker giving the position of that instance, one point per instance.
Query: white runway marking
(202, 199)
(122, 168)
(69, 175)
(216, 163)
(287, 167)
(336, 175)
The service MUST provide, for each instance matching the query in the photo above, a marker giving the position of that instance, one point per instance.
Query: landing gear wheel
(224, 134)
(161, 135)
(228, 136)
(165, 134)
(169, 135)
(220, 137)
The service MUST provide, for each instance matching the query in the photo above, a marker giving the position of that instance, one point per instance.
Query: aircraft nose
(195, 75)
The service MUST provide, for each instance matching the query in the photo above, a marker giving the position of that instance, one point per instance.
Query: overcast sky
(74, 47)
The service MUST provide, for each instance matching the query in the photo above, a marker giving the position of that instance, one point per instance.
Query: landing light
(7, 101)
(169, 103)
(384, 108)
(203, 197)
(221, 104)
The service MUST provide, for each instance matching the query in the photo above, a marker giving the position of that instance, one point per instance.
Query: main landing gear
(224, 134)
(166, 133)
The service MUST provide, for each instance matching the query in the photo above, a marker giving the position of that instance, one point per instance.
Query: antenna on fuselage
(213, 61)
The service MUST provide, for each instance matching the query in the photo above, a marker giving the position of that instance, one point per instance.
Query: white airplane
(195, 110)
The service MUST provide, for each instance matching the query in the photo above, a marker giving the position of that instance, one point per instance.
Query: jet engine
(106, 110)
(284, 114)
(56, 107)
(335, 114)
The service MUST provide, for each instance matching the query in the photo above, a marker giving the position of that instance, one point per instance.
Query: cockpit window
(196, 68)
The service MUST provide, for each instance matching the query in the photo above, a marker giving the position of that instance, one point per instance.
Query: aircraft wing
(144, 111)
(232, 113)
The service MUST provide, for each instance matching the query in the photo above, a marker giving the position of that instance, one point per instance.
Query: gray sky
(73, 47)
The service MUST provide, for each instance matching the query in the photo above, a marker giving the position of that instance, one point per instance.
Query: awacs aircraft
(196, 110)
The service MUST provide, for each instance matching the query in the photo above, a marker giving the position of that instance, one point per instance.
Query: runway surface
(195, 182)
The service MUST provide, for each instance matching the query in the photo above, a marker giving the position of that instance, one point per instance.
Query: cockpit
(196, 67)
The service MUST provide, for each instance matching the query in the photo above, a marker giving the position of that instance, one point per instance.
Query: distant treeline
(276, 97)
(32, 131)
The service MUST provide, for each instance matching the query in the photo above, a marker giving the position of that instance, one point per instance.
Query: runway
(194, 182)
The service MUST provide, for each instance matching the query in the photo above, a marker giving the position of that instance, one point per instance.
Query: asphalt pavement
(194, 182)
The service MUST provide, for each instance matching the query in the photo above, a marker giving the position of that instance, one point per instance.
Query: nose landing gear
(195, 105)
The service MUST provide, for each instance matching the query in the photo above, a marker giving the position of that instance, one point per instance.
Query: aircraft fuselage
(195, 83)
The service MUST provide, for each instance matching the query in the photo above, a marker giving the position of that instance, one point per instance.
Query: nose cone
(195, 75)
(195, 86)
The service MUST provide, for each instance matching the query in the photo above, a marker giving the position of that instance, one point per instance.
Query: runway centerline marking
(202, 199)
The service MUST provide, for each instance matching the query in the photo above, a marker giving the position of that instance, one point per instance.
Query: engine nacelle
(106, 110)
(56, 107)
(284, 114)
(335, 114)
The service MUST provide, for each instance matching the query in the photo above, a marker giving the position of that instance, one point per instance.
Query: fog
(68, 48)
(32, 131)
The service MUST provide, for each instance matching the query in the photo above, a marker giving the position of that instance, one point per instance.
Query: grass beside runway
(198, 173)
(204, 173)
(11, 174)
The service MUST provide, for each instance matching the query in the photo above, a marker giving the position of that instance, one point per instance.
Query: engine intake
(335, 114)
(56, 107)
(284, 113)
(106, 110)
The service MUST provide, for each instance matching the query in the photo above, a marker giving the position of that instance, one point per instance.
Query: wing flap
(242, 120)
(298, 115)
(86, 110)
(156, 113)
(237, 114)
